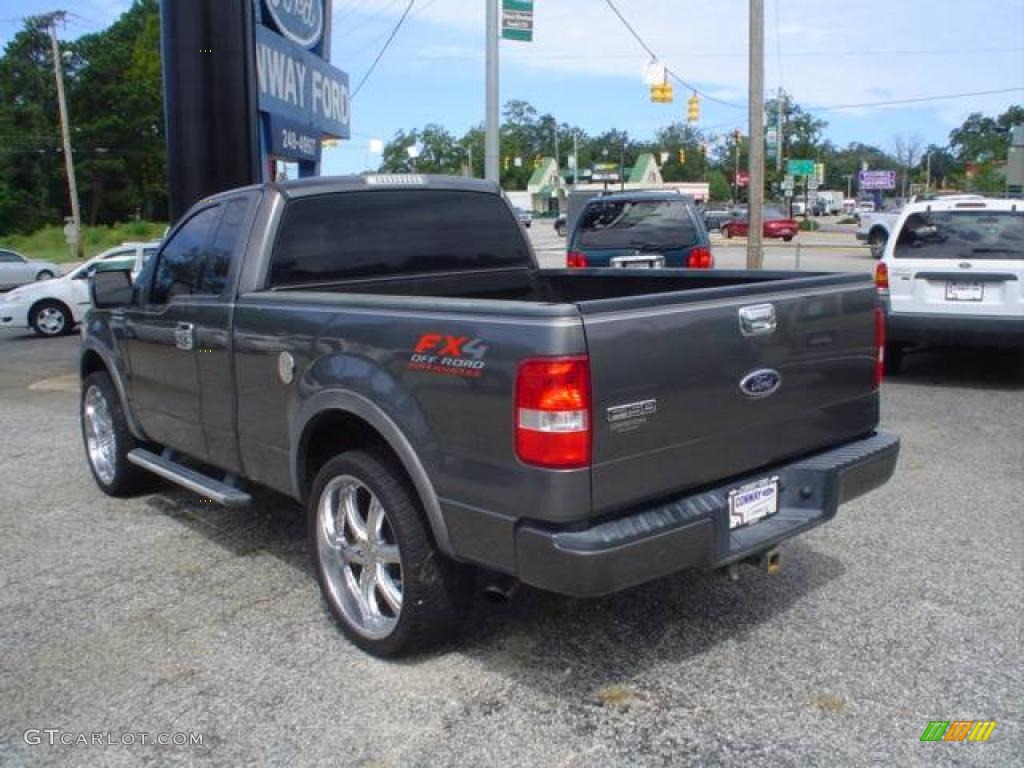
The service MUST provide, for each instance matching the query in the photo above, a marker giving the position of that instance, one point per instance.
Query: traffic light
(661, 94)
(682, 156)
(693, 109)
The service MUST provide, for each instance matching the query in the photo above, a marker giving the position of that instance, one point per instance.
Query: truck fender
(357, 405)
(91, 345)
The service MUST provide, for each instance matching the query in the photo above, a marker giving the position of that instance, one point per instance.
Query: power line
(384, 49)
(916, 100)
(653, 55)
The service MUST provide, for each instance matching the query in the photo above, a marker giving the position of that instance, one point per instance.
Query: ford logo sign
(761, 383)
(301, 21)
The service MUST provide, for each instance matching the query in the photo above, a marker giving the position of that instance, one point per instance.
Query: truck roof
(325, 185)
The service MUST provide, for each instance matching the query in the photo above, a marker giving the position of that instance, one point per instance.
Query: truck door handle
(184, 336)
(757, 319)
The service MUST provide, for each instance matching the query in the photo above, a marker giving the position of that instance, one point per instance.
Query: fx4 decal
(452, 355)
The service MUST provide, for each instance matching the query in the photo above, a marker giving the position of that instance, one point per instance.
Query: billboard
(870, 180)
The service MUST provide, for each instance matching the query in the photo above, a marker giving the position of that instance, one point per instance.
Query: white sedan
(16, 270)
(54, 307)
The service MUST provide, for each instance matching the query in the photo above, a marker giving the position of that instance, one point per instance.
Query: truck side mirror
(111, 288)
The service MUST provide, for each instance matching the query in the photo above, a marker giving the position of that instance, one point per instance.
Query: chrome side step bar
(205, 486)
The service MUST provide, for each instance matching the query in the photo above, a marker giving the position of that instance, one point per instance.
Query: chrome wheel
(99, 435)
(51, 321)
(361, 561)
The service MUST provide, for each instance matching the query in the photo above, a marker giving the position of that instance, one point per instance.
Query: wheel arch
(336, 421)
(93, 359)
(51, 300)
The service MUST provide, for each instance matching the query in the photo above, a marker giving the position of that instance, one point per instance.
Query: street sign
(788, 182)
(71, 232)
(876, 180)
(742, 178)
(517, 20)
(787, 192)
(800, 168)
(301, 21)
(812, 185)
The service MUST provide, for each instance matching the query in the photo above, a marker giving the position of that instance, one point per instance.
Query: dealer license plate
(956, 291)
(753, 501)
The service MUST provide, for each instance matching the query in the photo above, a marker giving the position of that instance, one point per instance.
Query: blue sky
(586, 69)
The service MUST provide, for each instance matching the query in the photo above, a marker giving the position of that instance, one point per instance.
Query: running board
(205, 486)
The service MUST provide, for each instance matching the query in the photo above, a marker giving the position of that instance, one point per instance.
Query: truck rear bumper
(693, 531)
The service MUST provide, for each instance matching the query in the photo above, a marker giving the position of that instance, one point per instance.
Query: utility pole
(755, 187)
(928, 173)
(575, 161)
(491, 146)
(65, 129)
(779, 142)
(469, 151)
(736, 163)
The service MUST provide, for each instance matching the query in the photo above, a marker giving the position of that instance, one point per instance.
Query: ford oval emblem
(301, 21)
(761, 383)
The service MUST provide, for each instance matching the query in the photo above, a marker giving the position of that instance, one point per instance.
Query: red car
(775, 225)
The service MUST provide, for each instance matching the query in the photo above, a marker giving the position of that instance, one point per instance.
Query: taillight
(700, 258)
(576, 260)
(553, 412)
(879, 347)
(881, 276)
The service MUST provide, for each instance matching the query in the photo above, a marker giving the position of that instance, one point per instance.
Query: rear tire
(50, 319)
(788, 238)
(44, 274)
(108, 440)
(893, 359)
(877, 240)
(386, 585)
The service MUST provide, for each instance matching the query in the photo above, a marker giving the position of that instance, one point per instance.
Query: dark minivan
(640, 229)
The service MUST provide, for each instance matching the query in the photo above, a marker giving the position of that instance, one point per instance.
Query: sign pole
(755, 186)
(491, 147)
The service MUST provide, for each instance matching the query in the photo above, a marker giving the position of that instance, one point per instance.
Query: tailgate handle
(757, 319)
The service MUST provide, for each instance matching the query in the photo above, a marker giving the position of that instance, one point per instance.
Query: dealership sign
(299, 86)
(876, 180)
(301, 21)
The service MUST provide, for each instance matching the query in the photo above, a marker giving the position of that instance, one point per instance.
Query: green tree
(718, 185)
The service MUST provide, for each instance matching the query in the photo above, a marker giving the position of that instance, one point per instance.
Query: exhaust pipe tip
(773, 562)
(500, 589)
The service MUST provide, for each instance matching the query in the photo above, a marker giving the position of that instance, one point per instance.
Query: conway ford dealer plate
(753, 501)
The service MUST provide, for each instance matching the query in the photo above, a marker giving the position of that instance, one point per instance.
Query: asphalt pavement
(164, 615)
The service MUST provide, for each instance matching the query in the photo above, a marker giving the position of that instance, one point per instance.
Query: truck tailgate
(671, 411)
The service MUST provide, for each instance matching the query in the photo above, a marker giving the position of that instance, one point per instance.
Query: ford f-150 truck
(385, 350)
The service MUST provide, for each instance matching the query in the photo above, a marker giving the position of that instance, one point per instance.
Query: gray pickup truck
(386, 350)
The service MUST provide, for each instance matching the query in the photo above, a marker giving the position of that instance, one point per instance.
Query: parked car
(16, 270)
(560, 227)
(865, 206)
(713, 220)
(775, 224)
(53, 307)
(953, 274)
(640, 229)
(524, 217)
(444, 407)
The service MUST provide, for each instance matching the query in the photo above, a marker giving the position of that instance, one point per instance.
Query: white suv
(953, 273)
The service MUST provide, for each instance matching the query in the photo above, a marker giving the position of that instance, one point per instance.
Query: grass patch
(48, 243)
(809, 225)
(847, 220)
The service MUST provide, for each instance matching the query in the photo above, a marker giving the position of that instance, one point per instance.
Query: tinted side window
(222, 247)
(386, 232)
(8, 257)
(181, 261)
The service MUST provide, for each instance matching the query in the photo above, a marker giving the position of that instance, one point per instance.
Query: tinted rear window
(364, 234)
(637, 224)
(961, 235)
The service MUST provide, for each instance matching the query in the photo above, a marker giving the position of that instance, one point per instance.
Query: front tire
(107, 438)
(50, 319)
(389, 589)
